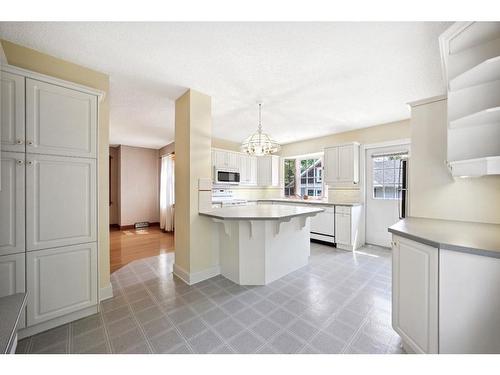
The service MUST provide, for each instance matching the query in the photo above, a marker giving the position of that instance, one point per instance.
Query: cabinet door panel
(12, 203)
(331, 165)
(60, 121)
(346, 163)
(12, 278)
(343, 229)
(61, 281)
(60, 201)
(415, 294)
(12, 112)
(12, 274)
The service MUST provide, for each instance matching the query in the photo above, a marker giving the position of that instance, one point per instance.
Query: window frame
(397, 184)
(298, 182)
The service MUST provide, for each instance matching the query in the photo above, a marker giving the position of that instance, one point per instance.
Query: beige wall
(139, 185)
(372, 134)
(113, 186)
(45, 64)
(433, 192)
(193, 233)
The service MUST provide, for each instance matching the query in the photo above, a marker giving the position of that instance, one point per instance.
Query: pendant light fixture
(260, 143)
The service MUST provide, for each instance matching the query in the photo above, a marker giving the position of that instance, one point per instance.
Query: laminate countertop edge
(476, 243)
(252, 213)
(11, 332)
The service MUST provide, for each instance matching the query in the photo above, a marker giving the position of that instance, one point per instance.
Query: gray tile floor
(339, 303)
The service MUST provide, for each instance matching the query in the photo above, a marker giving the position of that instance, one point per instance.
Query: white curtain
(167, 193)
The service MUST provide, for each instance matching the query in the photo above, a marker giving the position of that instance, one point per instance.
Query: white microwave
(227, 177)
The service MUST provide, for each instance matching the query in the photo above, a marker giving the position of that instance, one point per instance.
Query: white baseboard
(195, 277)
(106, 292)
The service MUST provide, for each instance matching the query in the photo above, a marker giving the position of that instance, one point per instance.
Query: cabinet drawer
(343, 210)
(61, 281)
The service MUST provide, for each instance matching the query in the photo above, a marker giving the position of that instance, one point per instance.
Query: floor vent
(143, 224)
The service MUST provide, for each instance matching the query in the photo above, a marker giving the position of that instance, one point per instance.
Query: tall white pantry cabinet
(48, 197)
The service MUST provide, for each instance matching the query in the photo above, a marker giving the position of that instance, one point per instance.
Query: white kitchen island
(260, 244)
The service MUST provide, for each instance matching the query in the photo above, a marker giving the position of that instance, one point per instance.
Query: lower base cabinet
(12, 278)
(415, 294)
(60, 281)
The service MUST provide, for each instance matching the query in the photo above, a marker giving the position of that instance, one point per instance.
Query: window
(304, 176)
(387, 176)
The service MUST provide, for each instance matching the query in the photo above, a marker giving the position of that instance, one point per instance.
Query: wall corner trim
(196, 277)
(106, 292)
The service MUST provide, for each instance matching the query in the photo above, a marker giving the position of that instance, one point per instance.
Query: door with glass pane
(384, 183)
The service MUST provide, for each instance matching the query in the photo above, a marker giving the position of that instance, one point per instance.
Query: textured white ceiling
(313, 78)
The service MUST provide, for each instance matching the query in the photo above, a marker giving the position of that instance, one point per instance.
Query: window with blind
(387, 175)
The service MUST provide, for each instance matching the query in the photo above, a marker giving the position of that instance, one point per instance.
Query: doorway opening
(386, 194)
(141, 204)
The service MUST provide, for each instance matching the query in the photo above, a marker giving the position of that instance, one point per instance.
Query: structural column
(195, 259)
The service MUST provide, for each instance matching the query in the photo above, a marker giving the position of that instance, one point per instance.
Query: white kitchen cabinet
(342, 165)
(248, 170)
(348, 227)
(222, 159)
(12, 128)
(60, 201)
(469, 303)
(12, 278)
(415, 294)
(60, 120)
(12, 274)
(268, 168)
(12, 209)
(60, 281)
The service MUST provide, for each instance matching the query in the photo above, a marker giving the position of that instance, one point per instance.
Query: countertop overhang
(468, 237)
(312, 202)
(265, 212)
(11, 308)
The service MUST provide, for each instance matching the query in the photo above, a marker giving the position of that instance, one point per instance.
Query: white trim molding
(196, 277)
(106, 292)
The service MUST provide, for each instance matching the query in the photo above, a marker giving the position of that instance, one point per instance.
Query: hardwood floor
(131, 244)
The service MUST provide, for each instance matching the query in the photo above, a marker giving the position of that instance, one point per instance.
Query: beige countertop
(474, 238)
(265, 212)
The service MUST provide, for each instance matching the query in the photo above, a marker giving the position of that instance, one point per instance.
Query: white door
(60, 281)
(12, 112)
(415, 294)
(60, 201)
(60, 121)
(382, 184)
(12, 203)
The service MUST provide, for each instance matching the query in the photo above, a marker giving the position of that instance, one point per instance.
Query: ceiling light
(260, 143)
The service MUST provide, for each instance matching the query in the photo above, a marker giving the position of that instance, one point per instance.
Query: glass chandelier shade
(260, 143)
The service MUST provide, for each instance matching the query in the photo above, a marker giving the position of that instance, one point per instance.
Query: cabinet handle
(20, 162)
(30, 142)
(19, 142)
(29, 162)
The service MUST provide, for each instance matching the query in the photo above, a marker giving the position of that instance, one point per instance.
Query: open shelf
(475, 167)
(487, 116)
(487, 71)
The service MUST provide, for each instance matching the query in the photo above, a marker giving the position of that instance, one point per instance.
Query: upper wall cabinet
(342, 165)
(60, 121)
(470, 53)
(268, 168)
(12, 112)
